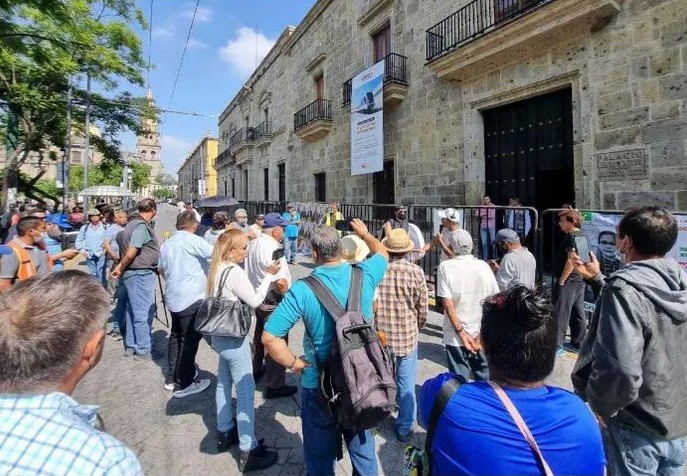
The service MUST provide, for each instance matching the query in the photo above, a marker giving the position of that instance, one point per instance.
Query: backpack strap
(325, 296)
(448, 389)
(356, 290)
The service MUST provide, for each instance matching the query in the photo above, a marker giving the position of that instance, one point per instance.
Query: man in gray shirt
(518, 265)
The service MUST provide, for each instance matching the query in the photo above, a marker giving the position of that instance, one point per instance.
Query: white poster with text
(367, 122)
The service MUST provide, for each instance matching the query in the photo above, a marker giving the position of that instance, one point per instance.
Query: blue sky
(219, 58)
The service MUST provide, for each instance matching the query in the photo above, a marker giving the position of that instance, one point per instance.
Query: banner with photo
(599, 228)
(367, 121)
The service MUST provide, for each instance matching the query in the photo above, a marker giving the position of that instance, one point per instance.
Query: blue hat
(5, 250)
(59, 219)
(274, 219)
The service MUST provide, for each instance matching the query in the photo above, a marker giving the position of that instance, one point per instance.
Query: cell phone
(277, 254)
(343, 225)
(582, 248)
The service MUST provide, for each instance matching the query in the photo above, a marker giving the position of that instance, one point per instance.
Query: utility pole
(87, 135)
(67, 150)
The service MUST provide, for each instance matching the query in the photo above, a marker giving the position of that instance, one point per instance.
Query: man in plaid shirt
(52, 329)
(401, 313)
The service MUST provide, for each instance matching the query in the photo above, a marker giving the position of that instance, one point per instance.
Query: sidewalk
(177, 436)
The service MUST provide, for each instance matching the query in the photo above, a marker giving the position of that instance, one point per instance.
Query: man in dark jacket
(632, 368)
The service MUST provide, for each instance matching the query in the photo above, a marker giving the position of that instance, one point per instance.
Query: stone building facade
(148, 148)
(553, 101)
(197, 175)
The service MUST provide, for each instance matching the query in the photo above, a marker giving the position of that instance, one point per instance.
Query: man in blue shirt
(43, 430)
(112, 249)
(184, 264)
(476, 434)
(291, 232)
(90, 243)
(319, 431)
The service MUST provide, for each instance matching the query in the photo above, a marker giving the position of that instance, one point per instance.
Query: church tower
(148, 143)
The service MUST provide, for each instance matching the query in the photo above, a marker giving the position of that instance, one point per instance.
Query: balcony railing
(319, 109)
(262, 130)
(223, 158)
(395, 71)
(473, 20)
(237, 138)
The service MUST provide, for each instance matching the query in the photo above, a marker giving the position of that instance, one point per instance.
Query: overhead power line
(150, 40)
(183, 54)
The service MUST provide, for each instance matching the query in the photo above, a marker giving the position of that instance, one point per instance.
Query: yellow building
(197, 175)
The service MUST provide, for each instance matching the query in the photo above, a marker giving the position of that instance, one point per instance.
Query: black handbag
(222, 317)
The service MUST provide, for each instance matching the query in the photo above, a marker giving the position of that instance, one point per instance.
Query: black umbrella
(218, 201)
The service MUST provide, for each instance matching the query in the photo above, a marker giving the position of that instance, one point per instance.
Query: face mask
(620, 256)
(401, 215)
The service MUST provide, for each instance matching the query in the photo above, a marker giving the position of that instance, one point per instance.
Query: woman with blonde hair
(235, 362)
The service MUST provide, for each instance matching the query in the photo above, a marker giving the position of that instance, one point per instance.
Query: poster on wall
(367, 121)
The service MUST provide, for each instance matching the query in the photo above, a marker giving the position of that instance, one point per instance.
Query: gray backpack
(357, 381)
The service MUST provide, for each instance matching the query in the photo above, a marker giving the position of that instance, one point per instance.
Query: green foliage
(140, 174)
(163, 193)
(45, 44)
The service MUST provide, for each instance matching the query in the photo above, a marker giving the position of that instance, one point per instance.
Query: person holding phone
(263, 251)
(570, 286)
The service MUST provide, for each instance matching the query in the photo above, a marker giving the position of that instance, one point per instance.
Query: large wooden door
(384, 187)
(529, 151)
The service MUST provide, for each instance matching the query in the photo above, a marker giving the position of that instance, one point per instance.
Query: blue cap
(5, 250)
(274, 219)
(59, 219)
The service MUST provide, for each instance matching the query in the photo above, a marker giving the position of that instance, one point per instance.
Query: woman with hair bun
(477, 434)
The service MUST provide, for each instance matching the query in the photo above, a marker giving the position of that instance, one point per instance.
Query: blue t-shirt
(477, 435)
(291, 231)
(300, 302)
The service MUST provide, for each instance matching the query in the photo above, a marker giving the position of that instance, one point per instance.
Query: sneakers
(116, 336)
(148, 357)
(280, 392)
(129, 352)
(169, 386)
(560, 352)
(226, 439)
(257, 458)
(196, 387)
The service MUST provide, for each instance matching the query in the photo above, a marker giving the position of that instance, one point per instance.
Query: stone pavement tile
(177, 436)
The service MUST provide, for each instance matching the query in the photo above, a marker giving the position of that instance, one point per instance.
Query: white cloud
(197, 44)
(202, 15)
(163, 31)
(240, 51)
(174, 152)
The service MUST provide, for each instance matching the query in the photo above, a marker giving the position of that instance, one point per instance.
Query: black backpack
(357, 381)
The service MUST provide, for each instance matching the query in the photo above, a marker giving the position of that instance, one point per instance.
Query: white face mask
(620, 256)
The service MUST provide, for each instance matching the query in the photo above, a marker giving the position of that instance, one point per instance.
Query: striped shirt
(51, 434)
(402, 305)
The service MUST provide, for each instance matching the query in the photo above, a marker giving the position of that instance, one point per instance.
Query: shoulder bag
(218, 316)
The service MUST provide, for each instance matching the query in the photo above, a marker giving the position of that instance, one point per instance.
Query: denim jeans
(486, 237)
(235, 368)
(406, 375)
(462, 362)
(320, 440)
(140, 310)
(629, 453)
(290, 249)
(119, 312)
(569, 310)
(98, 269)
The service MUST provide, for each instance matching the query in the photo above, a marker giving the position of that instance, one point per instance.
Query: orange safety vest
(26, 267)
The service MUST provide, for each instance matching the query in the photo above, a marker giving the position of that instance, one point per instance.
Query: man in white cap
(450, 222)
(518, 265)
(463, 282)
(401, 313)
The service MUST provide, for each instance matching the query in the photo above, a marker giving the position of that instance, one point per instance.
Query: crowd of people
(492, 411)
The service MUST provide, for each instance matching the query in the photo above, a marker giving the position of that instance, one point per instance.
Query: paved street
(176, 436)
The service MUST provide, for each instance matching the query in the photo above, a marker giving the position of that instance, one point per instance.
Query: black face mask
(401, 216)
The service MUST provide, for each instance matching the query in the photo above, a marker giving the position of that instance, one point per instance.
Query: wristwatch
(293, 364)
(458, 331)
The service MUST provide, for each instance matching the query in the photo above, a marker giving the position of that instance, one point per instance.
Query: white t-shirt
(238, 286)
(467, 281)
(260, 258)
(445, 235)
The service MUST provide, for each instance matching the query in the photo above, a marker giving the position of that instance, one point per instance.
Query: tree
(44, 46)
(140, 174)
(163, 193)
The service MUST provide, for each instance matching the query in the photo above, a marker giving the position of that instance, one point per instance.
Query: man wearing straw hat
(401, 313)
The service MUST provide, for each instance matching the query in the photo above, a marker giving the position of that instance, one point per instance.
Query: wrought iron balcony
(262, 133)
(224, 158)
(395, 73)
(241, 139)
(314, 120)
(486, 34)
